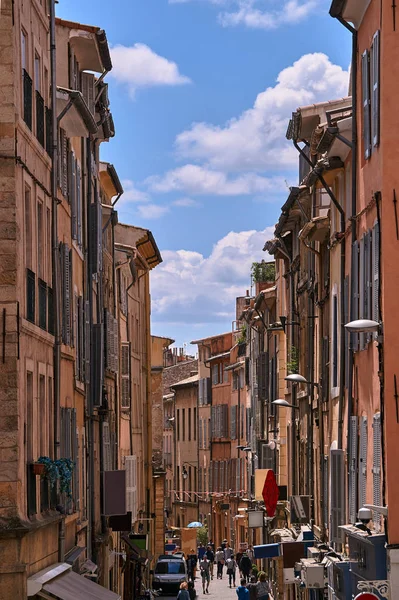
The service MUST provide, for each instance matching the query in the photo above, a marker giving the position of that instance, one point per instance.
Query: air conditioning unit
(313, 552)
(313, 574)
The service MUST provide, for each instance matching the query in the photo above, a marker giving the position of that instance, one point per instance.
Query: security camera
(364, 515)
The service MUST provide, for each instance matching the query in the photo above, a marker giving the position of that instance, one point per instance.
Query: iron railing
(42, 304)
(40, 119)
(30, 295)
(27, 87)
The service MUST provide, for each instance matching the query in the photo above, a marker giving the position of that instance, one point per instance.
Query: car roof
(166, 557)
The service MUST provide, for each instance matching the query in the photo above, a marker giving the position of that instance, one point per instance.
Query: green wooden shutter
(366, 103)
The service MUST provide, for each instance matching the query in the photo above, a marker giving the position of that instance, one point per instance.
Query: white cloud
(152, 211)
(256, 139)
(138, 66)
(195, 179)
(131, 193)
(189, 287)
(263, 14)
(186, 203)
(248, 14)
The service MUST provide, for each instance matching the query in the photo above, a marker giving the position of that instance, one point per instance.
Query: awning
(72, 586)
(78, 120)
(315, 230)
(63, 583)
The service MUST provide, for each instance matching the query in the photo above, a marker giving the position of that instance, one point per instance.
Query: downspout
(341, 238)
(55, 260)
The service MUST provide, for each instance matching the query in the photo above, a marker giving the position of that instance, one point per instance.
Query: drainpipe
(55, 259)
(341, 238)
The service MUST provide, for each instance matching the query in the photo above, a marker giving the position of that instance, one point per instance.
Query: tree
(263, 271)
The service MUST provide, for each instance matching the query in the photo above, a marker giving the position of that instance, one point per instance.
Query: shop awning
(64, 584)
(72, 586)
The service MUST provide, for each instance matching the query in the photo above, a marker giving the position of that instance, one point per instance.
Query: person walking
(219, 557)
(252, 588)
(231, 570)
(183, 592)
(211, 557)
(245, 566)
(263, 587)
(205, 574)
(228, 552)
(242, 592)
(191, 564)
(201, 551)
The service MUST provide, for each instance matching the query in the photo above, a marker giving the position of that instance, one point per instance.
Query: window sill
(36, 331)
(30, 138)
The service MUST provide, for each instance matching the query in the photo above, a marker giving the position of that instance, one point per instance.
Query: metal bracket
(381, 587)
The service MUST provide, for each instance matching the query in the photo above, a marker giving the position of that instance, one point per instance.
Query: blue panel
(170, 547)
(267, 551)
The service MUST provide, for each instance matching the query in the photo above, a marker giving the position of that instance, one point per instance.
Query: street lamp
(362, 326)
(297, 378)
(284, 404)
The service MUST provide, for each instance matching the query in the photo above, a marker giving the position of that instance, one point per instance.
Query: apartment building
(76, 321)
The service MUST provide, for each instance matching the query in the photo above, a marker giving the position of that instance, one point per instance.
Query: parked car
(169, 572)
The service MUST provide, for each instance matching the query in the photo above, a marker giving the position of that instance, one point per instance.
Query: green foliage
(243, 335)
(293, 361)
(59, 470)
(263, 272)
(202, 535)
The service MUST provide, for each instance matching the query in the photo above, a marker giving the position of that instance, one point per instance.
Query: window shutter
(353, 470)
(334, 352)
(208, 390)
(346, 320)
(375, 271)
(66, 279)
(201, 391)
(107, 466)
(337, 495)
(363, 461)
(73, 197)
(125, 375)
(233, 422)
(200, 433)
(75, 457)
(375, 51)
(377, 468)
(362, 294)
(88, 90)
(131, 485)
(108, 342)
(80, 335)
(87, 342)
(238, 487)
(366, 103)
(116, 345)
(325, 492)
(355, 293)
(79, 204)
(64, 165)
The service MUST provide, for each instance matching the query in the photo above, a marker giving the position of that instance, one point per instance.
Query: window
(26, 82)
(335, 342)
(189, 424)
(28, 229)
(40, 241)
(195, 424)
(225, 374)
(30, 295)
(43, 416)
(37, 73)
(125, 372)
(24, 51)
(348, 191)
(66, 279)
(29, 417)
(178, 425)
(371, 96)
(215, 374)
(183, 424)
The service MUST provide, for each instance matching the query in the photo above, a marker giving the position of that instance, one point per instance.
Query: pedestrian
(252, 588)
(262, 587)
(231, 570)
(242, 591)
(250, 553)
(211, 557)
(191, 564)
(191, 590)
(223, 544)
(245, 566)
(228, 551)
(238, 560)
(219, 557)
(205, 574)
(183, 592)
(201, 551)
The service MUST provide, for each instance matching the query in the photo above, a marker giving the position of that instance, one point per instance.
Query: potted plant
(38, 468)
(58, 470)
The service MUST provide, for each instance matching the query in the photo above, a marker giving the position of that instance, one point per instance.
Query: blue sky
(201, 93)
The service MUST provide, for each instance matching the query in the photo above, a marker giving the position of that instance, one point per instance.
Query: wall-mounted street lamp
(297, 378)
(363, 326)
(284, 404)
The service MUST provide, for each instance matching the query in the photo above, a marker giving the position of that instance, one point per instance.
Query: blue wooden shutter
(375, 271)
(375, 102)
(355, 293)
(366, 104)
(362, 294)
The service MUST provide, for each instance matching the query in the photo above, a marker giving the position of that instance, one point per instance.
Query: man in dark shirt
(211, 557)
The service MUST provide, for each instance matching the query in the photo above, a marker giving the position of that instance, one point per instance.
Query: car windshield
(170, 567)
